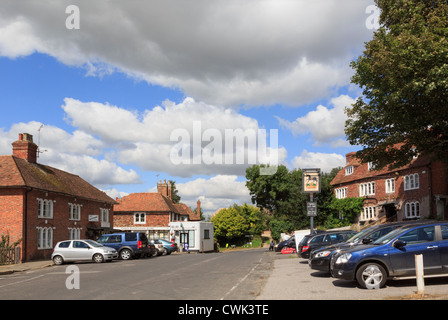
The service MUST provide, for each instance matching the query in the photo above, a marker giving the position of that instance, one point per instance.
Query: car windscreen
(388, 237)
(359, 236)
(93, 243)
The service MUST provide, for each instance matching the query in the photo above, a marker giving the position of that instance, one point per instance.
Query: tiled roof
(186, 210)
(153, 202)
(361, 171)
(17, 172)
(145, 201)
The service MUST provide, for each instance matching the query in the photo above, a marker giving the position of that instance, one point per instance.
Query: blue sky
(109, 94)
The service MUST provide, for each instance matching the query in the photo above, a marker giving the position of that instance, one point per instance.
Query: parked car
(320, 258)
(285, 244)
(320, 240)
(169, 246)
(128, 244)
(82, 250)
(392, 256)
(160, 248)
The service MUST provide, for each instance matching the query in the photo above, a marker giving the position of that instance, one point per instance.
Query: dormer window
(348, 170)
(370, 165)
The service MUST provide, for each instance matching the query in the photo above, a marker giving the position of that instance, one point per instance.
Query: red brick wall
(430, 180)
(12, 219)
(11, 208)
(126, 219)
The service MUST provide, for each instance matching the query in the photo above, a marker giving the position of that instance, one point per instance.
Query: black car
(128, 244)
(310, 243)
(289, 243)
(320, 258)
(392, 256)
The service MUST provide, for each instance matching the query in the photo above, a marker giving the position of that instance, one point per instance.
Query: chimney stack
(25, 148)
(349, 157)
(165, 189)
(198, 210)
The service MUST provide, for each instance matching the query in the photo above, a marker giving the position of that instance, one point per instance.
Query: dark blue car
(393, 256)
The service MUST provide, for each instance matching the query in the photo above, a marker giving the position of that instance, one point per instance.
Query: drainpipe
(25, 224)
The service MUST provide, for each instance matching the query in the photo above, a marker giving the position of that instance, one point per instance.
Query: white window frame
(367, 189)
(139, 217)
(411, 182)
(412, 210)
(44, 238)
(75, 211)
(104, 214)
(74, 233)
(341, 193)
(369, 213)
(45, 208)
(348, 170)
(389, 185)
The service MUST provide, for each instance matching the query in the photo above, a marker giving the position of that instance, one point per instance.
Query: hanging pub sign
(311, 180)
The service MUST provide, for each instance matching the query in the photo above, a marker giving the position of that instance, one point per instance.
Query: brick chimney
(165, 189)
(25, 148)
(198, 210)
(349, 157)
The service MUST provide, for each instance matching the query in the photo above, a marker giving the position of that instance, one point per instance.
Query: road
(237, 275)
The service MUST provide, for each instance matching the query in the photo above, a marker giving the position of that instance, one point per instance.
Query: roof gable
(16, 172)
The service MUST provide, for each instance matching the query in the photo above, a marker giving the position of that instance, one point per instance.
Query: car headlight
(343, 258)
(322, 254)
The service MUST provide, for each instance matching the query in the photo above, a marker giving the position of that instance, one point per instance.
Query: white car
(160, 249)
(82, 250)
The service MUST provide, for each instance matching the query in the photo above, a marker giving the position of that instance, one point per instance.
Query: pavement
(25, 266)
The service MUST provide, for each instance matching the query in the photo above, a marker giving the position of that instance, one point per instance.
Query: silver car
(82, 250)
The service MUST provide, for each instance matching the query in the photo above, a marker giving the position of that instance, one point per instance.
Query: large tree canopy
(403, 72)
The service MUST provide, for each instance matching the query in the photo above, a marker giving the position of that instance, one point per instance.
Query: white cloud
(256, 52)
(326, 125)
(220, 191)
(324, 161)
(75, 153)
(147, 139)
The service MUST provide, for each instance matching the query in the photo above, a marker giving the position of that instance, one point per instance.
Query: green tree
(230, 226)
(174, 192)
(403, 72)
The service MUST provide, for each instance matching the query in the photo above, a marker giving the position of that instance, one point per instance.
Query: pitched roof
(17, 172)
(361, 171)
(153, 202)
(186, 210)
(145, 201)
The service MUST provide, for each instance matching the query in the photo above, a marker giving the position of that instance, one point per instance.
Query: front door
(418, 241)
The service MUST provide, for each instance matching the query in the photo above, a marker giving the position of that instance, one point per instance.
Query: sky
(127, 93)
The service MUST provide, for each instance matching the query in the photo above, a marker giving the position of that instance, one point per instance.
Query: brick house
(417, 190)
(151, 212)
(42, 205)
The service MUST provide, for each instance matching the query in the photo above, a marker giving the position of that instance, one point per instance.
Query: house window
(206, 234)
(45, 209)
(411, 182)
(412, 210)
(75, 211)
(139, 218)
(367, 189)
(348, 170)
(370, 165)
(390, 185)
(74, 233)
(341, 193)
(104, 215)
(44, 238)
(369, 213)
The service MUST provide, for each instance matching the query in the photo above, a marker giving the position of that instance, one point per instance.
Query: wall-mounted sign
(93, 218)
(311, 180)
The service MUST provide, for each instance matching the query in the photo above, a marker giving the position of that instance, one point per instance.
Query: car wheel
(125, 254)
(58, 260)
(371, 276)
(98, 258)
